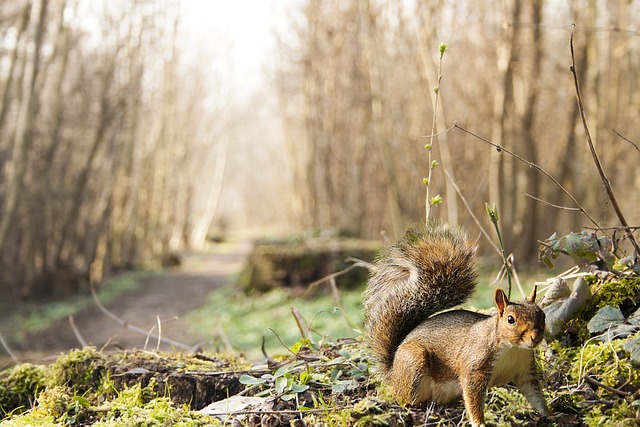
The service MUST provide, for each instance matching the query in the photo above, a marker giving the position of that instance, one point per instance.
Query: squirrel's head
(520, 324)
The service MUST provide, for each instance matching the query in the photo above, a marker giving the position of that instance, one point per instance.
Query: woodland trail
(168, 297)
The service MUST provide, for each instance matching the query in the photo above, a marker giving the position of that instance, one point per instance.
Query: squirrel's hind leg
(419, 376)
(409, 377)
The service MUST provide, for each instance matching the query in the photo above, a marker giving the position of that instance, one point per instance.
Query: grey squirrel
(424, 356)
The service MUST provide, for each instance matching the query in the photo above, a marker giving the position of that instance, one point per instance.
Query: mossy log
(298, 264)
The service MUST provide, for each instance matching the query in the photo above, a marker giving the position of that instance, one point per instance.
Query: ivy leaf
(607, 317)
(633, 347)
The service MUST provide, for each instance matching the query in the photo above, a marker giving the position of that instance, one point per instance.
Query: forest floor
(169, 297)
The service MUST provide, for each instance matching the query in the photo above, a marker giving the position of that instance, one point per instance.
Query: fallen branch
(7, 349)
(134, 328)
(76, 332)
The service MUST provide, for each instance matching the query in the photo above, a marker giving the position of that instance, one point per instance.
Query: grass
(246, 320)
(243, 321)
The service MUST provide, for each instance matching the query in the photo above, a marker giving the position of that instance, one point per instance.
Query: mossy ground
(319, 380)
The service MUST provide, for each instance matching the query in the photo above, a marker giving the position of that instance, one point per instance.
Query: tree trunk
(24, 130)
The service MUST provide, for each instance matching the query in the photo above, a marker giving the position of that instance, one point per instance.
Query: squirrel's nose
(536, 336)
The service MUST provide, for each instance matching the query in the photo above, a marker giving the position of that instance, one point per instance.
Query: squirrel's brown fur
(425, 356)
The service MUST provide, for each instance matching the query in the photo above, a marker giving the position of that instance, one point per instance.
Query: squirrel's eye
(511, 320)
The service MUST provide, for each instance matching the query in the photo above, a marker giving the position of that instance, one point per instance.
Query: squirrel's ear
(532, 297)
(501, 300)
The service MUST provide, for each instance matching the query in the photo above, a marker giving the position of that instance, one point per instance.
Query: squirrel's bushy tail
(432, 268)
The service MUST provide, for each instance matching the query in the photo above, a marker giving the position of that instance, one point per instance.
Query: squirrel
(424, 356)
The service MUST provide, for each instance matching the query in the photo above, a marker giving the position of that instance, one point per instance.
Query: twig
(76, 332)
(7, 349)
(532, 165)
(301, 323)
(567, 208)
(447, 130)
(594, 153)
(338, 300)
(443, 49)
(159, 332)
(470, 211)
(356, 263)
(133, 328)
(595, 382)
(224, 338)
(287, 411)
(626, 139)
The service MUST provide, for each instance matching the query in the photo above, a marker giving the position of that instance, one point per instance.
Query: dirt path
(169, 297)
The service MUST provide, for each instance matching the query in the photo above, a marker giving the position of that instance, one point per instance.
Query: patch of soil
(167, 297)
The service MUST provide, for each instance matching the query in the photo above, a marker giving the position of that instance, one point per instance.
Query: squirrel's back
(432, 268)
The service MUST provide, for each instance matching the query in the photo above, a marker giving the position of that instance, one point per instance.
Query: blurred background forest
(125, 138)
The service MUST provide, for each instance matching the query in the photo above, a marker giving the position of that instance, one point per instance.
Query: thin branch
(447, 130)
(626, 139)
(566, 208)
(356, 263)
(76, 332)
(597, 383)
(305, 332)
(594, 154)
(159, 333)
(532, 165)
(470, 211)
(429, 146)
(335, 293)
(7, 349)
(225, 340)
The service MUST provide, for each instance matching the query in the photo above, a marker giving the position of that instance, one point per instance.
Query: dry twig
(500, 148)
(76, 332)
(134, 328)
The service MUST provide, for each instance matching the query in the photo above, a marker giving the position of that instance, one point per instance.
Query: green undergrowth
(319, 383)
(245, 320)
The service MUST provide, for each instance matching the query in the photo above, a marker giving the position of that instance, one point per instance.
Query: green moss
(621, 414)
(19, 386)
(82, 370)
(613, 292)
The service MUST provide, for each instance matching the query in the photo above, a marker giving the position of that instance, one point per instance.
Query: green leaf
(281, 384)
(288, 397)
(304, 377)
(281, 371)
(434, 163)
(299, 388)
(82, 401)
(427, 146)
(251, 380)
(633, 347)
(443, 48)
(436, 200)
(606, 318)
(425, 181)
